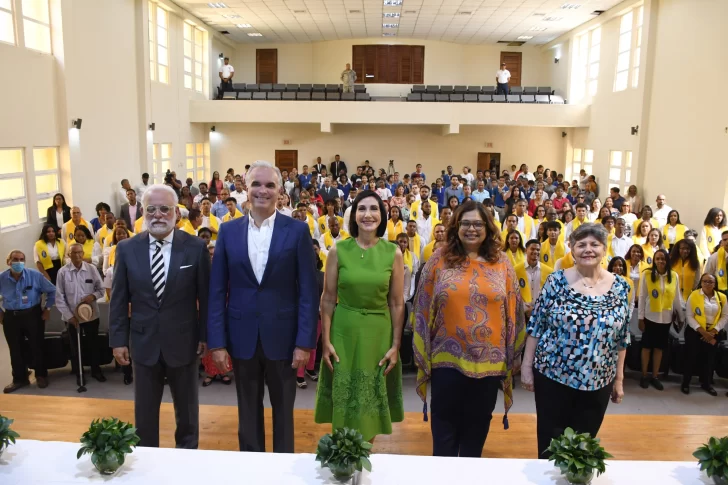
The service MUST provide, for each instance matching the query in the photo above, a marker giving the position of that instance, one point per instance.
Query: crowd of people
(491, 273)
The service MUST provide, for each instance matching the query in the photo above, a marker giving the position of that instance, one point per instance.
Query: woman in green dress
(362, 313)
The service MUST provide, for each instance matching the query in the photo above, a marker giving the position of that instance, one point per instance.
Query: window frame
(10, 12)
(198, 55)
(583, 58)
(156, 67)
(47, 26)
(39, 196)
(199, 161)
(10, 202)
(158, 176)
(630, 72)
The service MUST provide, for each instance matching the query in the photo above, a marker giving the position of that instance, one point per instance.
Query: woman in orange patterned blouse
(469, 331)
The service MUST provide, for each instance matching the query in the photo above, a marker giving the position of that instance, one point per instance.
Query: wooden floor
(633, 437)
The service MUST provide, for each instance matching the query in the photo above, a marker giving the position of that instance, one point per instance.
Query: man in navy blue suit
(263, 308)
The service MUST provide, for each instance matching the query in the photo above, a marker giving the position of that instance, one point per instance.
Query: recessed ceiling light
(525, 37)
(390, 26)
(388, 34)
(216, 5)
(392, 2)
(391, 15)
(538, 29)
(232, 16)
(570, 6)
(243, 26)
(255, 34)
(552, 19)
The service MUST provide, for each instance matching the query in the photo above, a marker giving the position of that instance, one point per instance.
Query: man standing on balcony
(227, 71)
(502, 76)
(348, 78)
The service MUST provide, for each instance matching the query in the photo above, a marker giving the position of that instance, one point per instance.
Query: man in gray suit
(164, 274)
(132, 210)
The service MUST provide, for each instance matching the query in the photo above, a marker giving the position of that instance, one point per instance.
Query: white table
(53, 463)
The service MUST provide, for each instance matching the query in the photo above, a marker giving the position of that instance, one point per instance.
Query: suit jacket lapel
(142, 257)
(276, 242)
(175, 259)
(246, 258)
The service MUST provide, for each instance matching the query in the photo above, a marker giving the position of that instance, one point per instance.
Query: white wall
(236, 144)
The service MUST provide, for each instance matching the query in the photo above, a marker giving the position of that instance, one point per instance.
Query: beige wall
(235, 145)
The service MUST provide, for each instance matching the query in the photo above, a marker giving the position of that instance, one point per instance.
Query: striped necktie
(158, 270)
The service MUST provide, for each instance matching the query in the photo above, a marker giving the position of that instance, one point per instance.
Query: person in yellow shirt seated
(69, 228)
(438, 242)
(514, 247)
(330, 211)
(107, 229)
(531, 275)
(329, 238)
(193, 222)
(553, 248)
(110, 235)
(417, 204)
(208, 218)
(233, 212)
(305, 212)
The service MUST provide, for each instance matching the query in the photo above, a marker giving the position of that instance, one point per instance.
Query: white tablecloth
(50, 463)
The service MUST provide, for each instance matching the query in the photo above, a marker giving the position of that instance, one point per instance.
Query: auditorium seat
(332, 96)
(319, 88)
(363, 97)
(360, 88)
(303, 95)
(274, 95)
(332, 88)
(230, 95)
(471, 98)
(528, 98)
(318, 95)
(261, 96)
(238, 86)
(266, 87)
(513, 98)
(419, 88)
(456, 98)
(348, 96)
(292, 87)
(544, 90)
(251, 88)
(246, 95)
(288, 96)
(489, 90)
(414, 97)
(530, 90)
(279, 88)
(475, 89)
(499, 98)
(555, 99)
(433, 89)
(460, 89)
(305, 88)
(446, 89)
(516, 90)
(485, 98)
(442, 98)
(542, 99)
(429, 97)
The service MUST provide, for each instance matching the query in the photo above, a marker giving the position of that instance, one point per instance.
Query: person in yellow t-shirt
(49, 252)
(233, 212)
(329, 238)
(438, 242)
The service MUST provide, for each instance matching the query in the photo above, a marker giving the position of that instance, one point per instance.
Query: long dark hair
(670, 214)
(212, 188)
(668, 266)
(43, 237)
(454, 252)
(354, 227)
(610, 266)
(710, 218)
(65, 206)
(693, 261)
(507, 246)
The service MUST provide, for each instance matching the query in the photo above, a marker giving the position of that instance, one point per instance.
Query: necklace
(364, 249)
(583, 280)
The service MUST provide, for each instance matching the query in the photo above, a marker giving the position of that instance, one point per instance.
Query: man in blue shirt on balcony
(22, 317)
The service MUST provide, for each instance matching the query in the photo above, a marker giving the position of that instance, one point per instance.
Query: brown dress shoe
(42, 382)
(14, 386)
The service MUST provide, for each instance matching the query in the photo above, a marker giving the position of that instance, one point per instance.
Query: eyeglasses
(164, 209)
(477, 225)
(707, 282)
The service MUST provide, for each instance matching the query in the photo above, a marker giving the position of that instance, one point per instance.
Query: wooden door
(489, 161)
(513, 64)
(286, 159)
(266, 66)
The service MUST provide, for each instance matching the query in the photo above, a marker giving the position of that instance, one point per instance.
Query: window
(7, 28)
(45, 168)
(585, 70)
(627, 171)
(575, 166)
(628, 54)
(162, 155)
(620, 170)
(158, 43)
(37, 25)
(13, 198)
(195, 161)
(195, 58)
(588, 161)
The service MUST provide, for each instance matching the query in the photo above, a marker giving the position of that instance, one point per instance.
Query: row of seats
(486, 98)
(300, 96)
(434, 89)
(295, 88)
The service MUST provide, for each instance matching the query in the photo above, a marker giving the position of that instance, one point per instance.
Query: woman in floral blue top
(578, 336)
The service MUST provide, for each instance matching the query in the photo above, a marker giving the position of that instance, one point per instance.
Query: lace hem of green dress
(362, 393)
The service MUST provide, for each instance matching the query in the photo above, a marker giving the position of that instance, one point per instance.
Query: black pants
(53, 271)
(21, 324)
(699, 356)
(462, 408)
(559, 407)
(251, 377)
(224, 86)
(89, 333)
(502, 88)
(148, 390)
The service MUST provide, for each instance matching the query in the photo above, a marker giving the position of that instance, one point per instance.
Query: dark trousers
(559, 407)
(224, 86)
(502, 88)
(698, 355)
(462, 408)
(251, 376)
(21, 324)
(148, 389)
(89, 332)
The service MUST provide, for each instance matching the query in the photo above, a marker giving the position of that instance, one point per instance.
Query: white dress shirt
(620, 245)
(206, 221)
(73, 285)
(240, 197)
(664, 316)
(503, 75)
(286, 211)
(59, 219)
(661, 215)
(140, 189)
(133, 214)
(424, 228)
(52, 252)
(522, 227)
(711, 309)
(226, 70)
(347, 217)
(259, 239)
(166, 251)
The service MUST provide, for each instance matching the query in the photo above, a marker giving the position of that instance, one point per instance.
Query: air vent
(232, 16)
(465, 13)
(537, 29)
(539, 14)
(225, 32)
(570, 6)
(354, 11)
(597, 12)
(552, 19)
(299, 11)
(511, 43)
(411, 12)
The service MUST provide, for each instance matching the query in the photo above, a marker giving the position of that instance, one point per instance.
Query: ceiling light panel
(255, 34)
(217, 5)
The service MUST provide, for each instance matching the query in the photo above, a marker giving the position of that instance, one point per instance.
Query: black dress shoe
(709, 390)
(128, 379)
(644, 382)
(685, 389)
(99, 376)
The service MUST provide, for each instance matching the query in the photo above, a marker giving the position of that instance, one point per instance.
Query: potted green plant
(344, 452)
(713, 459)
(578, 456)
(7, 435)
(108, 440)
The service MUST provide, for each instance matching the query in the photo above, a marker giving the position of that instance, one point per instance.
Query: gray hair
(159, 188)
(265, 164)
(184, 213)
(74, 245)
(597, 231)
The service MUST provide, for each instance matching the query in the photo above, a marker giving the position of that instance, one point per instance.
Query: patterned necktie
(158, 270)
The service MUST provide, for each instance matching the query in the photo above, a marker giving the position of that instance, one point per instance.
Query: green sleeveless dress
(358, 395)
